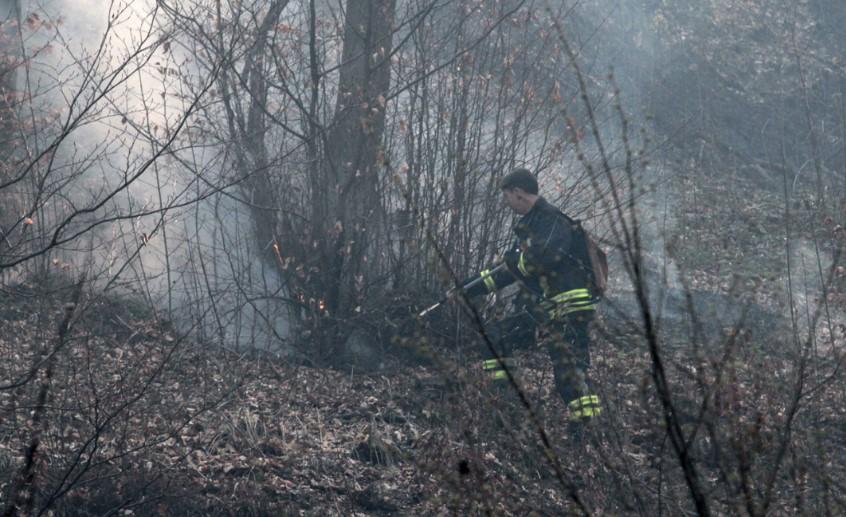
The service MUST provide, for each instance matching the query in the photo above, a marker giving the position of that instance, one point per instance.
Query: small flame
(279, 255)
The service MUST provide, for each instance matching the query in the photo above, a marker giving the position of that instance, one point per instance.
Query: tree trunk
(9, 54)
(9, 51)
(252, 151)
(354, 150)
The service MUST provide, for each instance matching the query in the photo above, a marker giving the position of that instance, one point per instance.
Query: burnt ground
(141, 420)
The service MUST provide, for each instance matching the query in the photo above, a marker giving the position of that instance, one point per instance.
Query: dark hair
(522, 179)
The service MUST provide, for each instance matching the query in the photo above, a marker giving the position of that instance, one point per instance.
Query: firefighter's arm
(488, 280)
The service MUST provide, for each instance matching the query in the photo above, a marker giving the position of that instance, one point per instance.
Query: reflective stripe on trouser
(584, 407)
(568, 302)
(495, 368)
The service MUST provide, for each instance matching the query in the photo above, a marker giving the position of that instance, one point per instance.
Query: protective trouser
(568, 345)
(569, 350)
(506, 335)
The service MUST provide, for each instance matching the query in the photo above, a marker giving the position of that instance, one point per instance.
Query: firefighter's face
(516, 200)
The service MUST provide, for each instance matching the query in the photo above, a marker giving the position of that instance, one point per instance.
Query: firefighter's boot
(583, 413)
(497, 370)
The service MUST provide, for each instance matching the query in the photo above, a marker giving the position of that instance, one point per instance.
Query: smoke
(127, 178)
(701, 123)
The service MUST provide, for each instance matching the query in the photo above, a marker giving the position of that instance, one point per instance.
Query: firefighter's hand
(511, 259)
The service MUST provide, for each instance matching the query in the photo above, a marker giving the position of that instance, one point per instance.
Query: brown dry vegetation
(141, 420)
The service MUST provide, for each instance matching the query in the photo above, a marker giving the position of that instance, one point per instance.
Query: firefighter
(550, 262)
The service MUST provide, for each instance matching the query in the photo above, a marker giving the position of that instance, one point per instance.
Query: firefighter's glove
(512, 259)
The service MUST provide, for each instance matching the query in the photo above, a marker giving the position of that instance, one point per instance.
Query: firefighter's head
(519, 190)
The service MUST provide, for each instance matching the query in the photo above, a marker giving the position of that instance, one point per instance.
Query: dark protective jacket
(549, 259)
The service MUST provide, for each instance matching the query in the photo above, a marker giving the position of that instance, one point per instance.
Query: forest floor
(139, 420)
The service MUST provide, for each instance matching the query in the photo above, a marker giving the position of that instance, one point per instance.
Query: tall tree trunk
(9, 53)
(9, 56)
(354, 149)
(252, 151)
